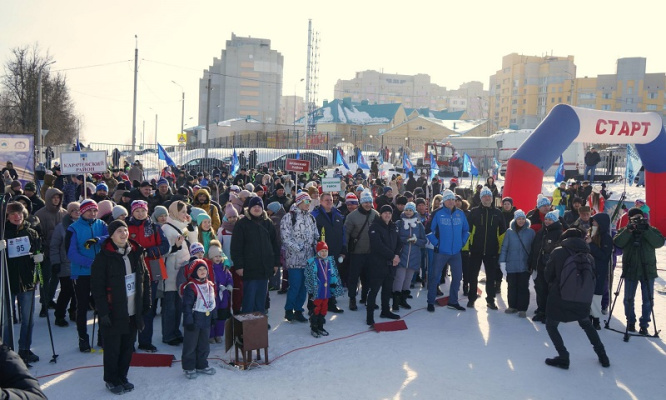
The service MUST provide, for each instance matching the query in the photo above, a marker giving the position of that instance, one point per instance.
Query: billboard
(19, 149)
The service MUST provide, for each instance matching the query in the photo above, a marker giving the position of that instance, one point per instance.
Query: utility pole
(182, 113)
(136, 72)
(155, 130)
(205, 138)
(40, 137)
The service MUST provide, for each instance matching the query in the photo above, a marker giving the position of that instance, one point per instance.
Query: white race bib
(18, 247)
(130, 284)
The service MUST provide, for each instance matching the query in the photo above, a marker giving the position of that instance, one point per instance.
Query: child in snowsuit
(198, 305)
(224, 286)
(321, 281)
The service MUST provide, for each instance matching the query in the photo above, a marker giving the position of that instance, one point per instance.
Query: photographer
(638, 242)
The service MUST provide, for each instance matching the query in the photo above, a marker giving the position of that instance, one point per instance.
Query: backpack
(578, 278)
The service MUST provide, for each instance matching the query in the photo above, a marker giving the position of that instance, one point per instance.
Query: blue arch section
(653, 154)
(551, 138)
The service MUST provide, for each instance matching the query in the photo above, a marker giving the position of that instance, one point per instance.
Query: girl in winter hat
(119, 212)
(322, 281)
(160, 215)
(412, 237)
(104, 208)
(206, 233)
(224, 288)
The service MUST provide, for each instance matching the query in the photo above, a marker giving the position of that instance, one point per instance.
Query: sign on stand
(330, 184)
(82, 162)
(297, 165)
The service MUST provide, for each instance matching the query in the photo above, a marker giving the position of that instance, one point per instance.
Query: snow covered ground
(477, 354)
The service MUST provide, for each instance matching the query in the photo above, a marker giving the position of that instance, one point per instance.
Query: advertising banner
(19, 150)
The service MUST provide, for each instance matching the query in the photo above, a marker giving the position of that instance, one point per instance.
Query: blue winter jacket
(410, 257)
(514, 254)
(81, 258)
(450, 229)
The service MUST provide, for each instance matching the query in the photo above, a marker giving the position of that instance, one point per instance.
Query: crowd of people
(200, 246)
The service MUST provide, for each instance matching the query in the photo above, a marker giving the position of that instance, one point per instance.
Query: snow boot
(298, 316)
(206, 371)
(603, 357)
(320, 326)
(596, 324)
(115, 389)
(289, 315)
(84, 344)
(333, 306)
(407, 294)
(191, 374)
(314, 326)
(403, 300)
(388, 314)
(396, 301)
(352, 304)
(560, 362)
(631, 327)
(643, 331)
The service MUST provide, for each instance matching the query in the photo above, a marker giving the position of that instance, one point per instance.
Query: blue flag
(78, 145)
(434, 168)
(163, 155)
(559, 174)
(298, 154)
(235, 165)
(468, 165)
(496, 164)
(360, 160)
(340, 160)
(406, 163)
(380, 158)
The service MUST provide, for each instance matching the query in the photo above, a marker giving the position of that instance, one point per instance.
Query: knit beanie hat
(118, 211)
(634, 211)
(161, 182)
(196, 264)
(214, 251)
(279, 186)
(486, 192)
(401, 200)
(312, 190)
(387, 208)
(388, 189)
(195, 212)
(104, 208)
(244, 194)
(102, 186)
(274, 207)
(88, 204)
(411, 207)
(234, 188)
(542, 201)
(114, 225)
(139, 204)
(230, 211)
(30, 186)
(302, 196)
(249, 187)
(519, 214)
(321, 246)
(75, 205)
(196, 247)
(255, 201)
(201, 218)
(351, 198)
(359, 188)
(509, 199)
(553, 215)
(448, 195)
(158, 212)
(366, 197)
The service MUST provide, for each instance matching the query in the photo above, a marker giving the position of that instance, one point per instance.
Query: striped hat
(351, 198)
(196, 247)
(87, 205)
(139, 204)
(302, 196)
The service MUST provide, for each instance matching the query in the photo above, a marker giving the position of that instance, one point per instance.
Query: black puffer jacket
(21, 269)
(107, 284)
(384, 246)
(556, 308)
(602, 251)
(544, 242)
(254, 246)
(486, 229)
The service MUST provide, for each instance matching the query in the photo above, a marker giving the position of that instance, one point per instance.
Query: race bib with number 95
(18, 247)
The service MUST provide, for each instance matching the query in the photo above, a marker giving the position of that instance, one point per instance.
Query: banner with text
(83, 162)
(19, 149)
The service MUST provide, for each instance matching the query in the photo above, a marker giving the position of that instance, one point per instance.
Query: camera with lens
(638, 224)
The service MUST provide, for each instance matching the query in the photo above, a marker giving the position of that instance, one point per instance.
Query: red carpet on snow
(151, 360)
(390, 326)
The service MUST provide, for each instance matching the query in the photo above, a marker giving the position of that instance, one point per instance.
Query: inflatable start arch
(566, 124)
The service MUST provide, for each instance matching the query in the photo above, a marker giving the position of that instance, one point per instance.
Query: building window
(606, 107)
(630, 101)
(630, 90)
(651, 107)
(606, 96)
(420, 128)
(652, 95)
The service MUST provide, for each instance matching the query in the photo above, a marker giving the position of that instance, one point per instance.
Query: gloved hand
(90, 242)
(230, 287)
(341, 259)
(105, 321)
(503, 267)
(55, 269)
(38, 258)
(3, 244)
(189, 327)
(190, 228)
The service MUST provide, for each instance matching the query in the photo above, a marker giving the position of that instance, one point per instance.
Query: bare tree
(18, 104)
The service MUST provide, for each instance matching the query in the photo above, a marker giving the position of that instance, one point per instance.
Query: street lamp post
(40, 139)
(182, 112)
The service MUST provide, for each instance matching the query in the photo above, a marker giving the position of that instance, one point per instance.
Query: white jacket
(174, 261)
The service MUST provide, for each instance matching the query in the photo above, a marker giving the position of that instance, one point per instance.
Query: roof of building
(442, 114)
(346, 112)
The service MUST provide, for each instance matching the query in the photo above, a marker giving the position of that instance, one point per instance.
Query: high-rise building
(413, 91)
(630, 89)
(528, 87)
(246, 81)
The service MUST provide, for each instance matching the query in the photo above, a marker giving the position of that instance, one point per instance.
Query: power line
(91, 66)
(213, 73)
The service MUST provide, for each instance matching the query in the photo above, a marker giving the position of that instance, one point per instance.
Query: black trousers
(518, 290)
(558, 343)
(541, 289)
(357, 269)
(65, 297)
(118, 349)
(491, 266)
(385, 283)
(82, 291)
(465, 268)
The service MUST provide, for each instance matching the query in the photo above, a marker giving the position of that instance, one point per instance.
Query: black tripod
(627, 334)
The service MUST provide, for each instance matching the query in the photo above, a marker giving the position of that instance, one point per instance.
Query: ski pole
(54, 358)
